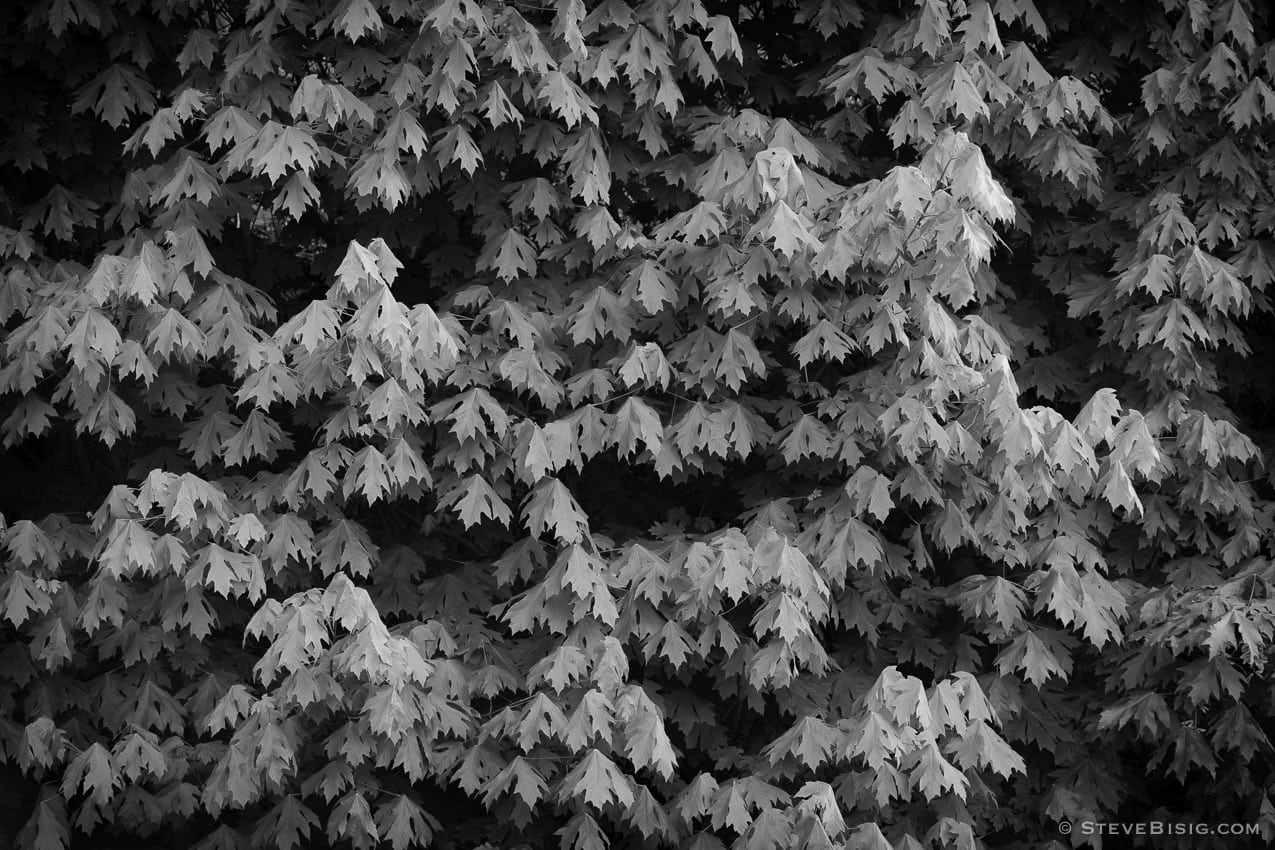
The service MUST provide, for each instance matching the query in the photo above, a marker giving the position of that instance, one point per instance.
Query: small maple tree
(820, 424)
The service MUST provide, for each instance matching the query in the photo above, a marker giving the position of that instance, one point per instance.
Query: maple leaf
(474, 499)
(997, 598)
(981, 746)
(651, 286)
(567, 99)
(22, 597)
(646, 742)
(869, 492)
(868, 836)
(116, 93)
(696, 798)
(869, 71)
(583, 833)
(346, 543)
(352, 818)
(589, 167)
(551, 507)
(1153, 275)
(950, 87)
(457, 146)
(1040, 654)
(228, 573)
(561, 668)
(48, 827)
(60, 212)
(329, 102)
(356, 19)
(92, 771)
(636, 421)
(722, 39)
(823, 341)
(288, 824)
(510, 257)
(1097, 418)
(525, 370)
(597, 781)
(973, 181)
(810, 740)
(520, 778)
(704, 221)
(934, 775)
(729, 808)
(1117, 488)
(786, 229)
(808, 437)
(537, 196)
(592, 719)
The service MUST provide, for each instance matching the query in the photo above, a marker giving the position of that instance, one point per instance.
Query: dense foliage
(808, 424)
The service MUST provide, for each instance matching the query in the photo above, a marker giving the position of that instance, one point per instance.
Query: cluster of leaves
(457, 423)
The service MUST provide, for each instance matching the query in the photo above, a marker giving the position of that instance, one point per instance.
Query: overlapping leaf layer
(785, 424)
